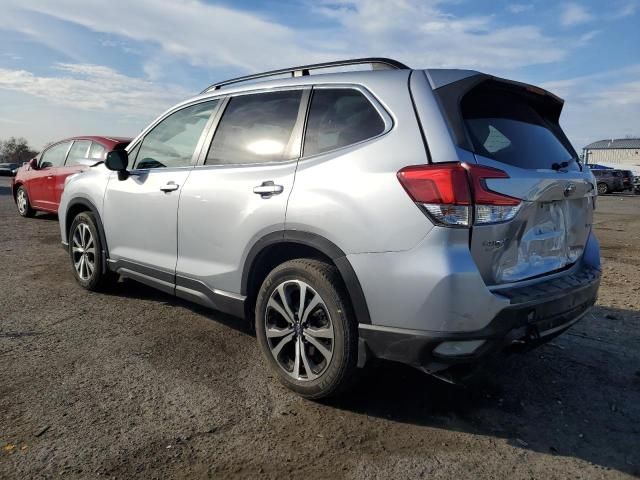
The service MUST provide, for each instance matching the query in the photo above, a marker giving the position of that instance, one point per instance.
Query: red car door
(78, 151)
(41, 186)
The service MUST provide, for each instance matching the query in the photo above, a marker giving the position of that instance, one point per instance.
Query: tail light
(456, 194)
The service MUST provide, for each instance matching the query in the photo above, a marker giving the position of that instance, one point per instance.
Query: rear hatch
(514, 128)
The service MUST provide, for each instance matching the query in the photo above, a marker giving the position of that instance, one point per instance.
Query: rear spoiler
(450, 88)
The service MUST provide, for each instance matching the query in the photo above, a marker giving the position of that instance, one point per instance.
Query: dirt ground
(137, 383)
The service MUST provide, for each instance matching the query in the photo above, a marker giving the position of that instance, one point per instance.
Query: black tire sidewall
(94, 282)
(319, 276)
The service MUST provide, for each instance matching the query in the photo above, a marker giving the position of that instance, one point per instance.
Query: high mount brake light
(447, 191)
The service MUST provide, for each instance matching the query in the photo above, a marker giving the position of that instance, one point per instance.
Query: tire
(603, 188)
(23, 203)
(84, 241)
(321, 372)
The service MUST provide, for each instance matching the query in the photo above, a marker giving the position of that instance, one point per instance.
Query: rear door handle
(268, 189)
(170, 187)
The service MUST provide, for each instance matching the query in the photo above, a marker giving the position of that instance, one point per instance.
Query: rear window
(504, 126)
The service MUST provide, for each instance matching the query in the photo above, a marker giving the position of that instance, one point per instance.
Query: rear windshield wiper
(559, 166)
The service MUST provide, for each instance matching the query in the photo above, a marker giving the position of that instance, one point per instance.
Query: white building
(621, 153)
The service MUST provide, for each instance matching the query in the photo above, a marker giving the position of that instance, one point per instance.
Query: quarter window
(172, 142)
(78, 151)
(256, 128)
(54, 156)
(340, 117)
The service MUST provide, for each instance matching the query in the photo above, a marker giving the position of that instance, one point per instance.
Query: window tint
(97, 151)
(339, 117)
(54, 157)
(78, 151)
(506, 127)
(256, 128)
(172, 142)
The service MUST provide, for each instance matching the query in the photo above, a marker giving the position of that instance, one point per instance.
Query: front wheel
(305, 328)
(85, 250)
(23, 204)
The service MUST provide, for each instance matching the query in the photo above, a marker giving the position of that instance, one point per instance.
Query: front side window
(54, 156)
(172, 142)
(78, 152)
(340, 117)
(256, 128)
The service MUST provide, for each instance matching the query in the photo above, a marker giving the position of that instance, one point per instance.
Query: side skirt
(183, 287)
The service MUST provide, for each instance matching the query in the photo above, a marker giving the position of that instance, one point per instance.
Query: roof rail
(377, 63)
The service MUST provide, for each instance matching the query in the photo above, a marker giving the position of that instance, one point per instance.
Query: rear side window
(339, 117)
(505, 127)
(256, 128)
(97, 151)
(78, 152)
(54, 156)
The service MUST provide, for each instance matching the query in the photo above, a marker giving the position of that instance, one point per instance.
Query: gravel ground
(137, 383)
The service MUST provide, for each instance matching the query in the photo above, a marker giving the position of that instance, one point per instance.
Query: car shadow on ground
(561, 399)
(127, 288)
(577, 396)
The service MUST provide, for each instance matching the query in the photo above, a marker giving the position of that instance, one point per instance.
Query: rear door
(42, 184)
(516, 130)
(238, 193)
(79, 151)
(140, 212)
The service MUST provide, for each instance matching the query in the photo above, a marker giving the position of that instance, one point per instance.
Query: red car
(39, 184)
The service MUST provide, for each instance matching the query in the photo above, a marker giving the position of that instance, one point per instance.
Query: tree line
(16, 150)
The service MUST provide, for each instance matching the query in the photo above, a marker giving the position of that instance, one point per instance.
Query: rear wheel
(603, 188)
(23, 204)
(85, 250)
(305, 328)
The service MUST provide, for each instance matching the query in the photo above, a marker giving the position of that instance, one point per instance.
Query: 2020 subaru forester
(430, 217)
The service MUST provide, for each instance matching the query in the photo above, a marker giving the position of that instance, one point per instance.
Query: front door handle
(268, 189)
(170, 187)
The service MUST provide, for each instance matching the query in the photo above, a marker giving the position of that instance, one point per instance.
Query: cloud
(418, 32)
(96, 88)
(520, 7)
(602, 105)
(574, 14)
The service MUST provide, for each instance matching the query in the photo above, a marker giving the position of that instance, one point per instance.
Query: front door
(141, 211)
(238, 194)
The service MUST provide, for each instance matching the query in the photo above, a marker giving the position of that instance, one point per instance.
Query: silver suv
(429, 217)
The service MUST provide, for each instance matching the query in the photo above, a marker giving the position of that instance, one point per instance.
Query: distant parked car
(38, 185)
(9, 169)
(608, 181)
(627, 179)
(636, 185)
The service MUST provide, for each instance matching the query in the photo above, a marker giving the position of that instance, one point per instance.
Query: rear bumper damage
(535, 314)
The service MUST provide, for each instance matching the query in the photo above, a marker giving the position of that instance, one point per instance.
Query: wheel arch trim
(323, 245)
(81, 201)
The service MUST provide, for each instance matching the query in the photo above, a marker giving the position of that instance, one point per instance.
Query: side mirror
(33, 164)
(118, 160)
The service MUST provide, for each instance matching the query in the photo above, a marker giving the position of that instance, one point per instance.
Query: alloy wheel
(602, 189)
(21, 200)
(83, 251)
(299, 330)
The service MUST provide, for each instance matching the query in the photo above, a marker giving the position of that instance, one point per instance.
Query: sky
(74, 67)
